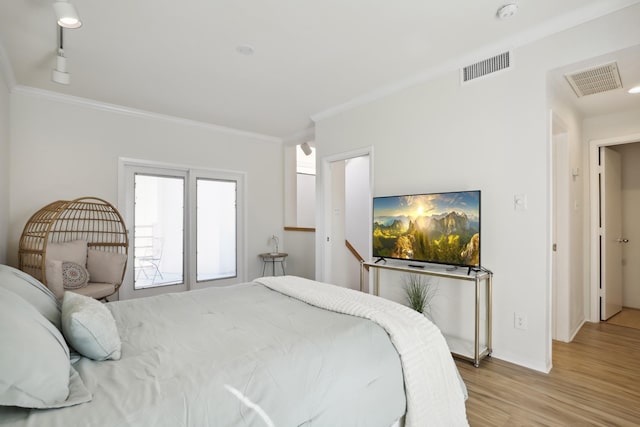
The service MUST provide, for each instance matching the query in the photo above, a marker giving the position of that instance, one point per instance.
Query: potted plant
(419, 291)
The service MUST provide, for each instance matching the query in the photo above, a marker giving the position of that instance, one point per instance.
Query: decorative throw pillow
(35, 371)
(32, 291)
(74, 276)
(53, 273)
(74, 251)
(89, 327)
(105, 267)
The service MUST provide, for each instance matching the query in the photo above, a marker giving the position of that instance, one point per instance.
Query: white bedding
(287, 352)
(435, 394)
(241, 355)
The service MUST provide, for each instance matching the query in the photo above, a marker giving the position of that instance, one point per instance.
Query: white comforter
(434, 392)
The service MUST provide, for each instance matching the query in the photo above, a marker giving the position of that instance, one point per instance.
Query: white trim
(323, 205)
(594, 197)
(550, 27)
(119, 109)
(576, 330)
(7, 69)
(305, 135)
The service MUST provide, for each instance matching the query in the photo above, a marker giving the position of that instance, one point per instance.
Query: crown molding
(305, 135)
(546, 29)
(133, 112)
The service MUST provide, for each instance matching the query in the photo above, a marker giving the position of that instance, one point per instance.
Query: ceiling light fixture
(634, 90)
(507, 11)
(67, 15)
(60, 74)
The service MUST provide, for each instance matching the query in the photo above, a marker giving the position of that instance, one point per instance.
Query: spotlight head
(306, 148)
(67, 15)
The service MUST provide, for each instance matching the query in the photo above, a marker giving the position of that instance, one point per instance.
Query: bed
(280, 351)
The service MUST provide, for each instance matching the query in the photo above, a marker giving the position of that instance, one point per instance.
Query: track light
(67, 15)
(59, 74)
(306, 148)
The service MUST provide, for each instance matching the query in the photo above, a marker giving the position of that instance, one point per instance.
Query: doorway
(630, 290)
(344, 215)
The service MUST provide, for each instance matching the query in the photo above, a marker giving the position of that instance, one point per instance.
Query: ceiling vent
(487, 66)
(598, 79)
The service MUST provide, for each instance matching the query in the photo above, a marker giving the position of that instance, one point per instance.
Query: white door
(610, 233)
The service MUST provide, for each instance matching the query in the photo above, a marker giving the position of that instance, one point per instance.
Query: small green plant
(419, 292)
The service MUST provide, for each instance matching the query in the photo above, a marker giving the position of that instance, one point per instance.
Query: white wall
(358, 204)
(492, 135)
(300, 245)
(340, 255)
(306, 200)
(4, 167)
(63, 150)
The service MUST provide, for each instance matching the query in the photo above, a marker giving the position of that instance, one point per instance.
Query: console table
(460, 348)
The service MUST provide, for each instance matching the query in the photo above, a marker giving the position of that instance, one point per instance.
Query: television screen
(442, 228)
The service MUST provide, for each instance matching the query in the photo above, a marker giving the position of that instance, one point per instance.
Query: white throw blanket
(434, 394)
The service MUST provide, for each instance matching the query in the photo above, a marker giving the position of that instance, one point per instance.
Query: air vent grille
(487, 66)
(595, 80)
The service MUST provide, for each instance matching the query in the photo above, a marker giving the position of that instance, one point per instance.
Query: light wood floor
(595, 381)
(629, 317)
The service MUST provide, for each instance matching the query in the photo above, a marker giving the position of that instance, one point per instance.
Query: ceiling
(181, 58)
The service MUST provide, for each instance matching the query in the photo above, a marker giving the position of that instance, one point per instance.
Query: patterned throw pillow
(74, 276)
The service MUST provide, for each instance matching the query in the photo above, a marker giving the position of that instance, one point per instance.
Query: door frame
(560, 293)
(594, 229)
(323, 208)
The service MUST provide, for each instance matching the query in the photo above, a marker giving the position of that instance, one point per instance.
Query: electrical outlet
(520, 321)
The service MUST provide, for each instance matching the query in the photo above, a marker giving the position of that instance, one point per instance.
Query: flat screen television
(441, 228)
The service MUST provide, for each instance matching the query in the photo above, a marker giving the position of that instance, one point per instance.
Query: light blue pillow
(32, 291)
(35, 371)
(89, 327)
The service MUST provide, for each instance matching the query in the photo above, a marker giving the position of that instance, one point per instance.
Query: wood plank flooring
(595, 381)
(629, 317)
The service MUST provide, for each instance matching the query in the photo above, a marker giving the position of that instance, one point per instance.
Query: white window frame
(127, 168)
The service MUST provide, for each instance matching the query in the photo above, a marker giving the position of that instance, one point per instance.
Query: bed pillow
(105, 267)
(35, 371)
(74, 276)
(74, 251)
(32, 291)
(89, 327)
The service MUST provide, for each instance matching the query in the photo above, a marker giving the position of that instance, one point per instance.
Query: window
(186, 224)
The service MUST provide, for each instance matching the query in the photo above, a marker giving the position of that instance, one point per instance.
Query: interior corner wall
(492, 135)
(64, 150)
(4, 167)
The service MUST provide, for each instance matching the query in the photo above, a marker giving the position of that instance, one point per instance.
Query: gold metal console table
(458, 347)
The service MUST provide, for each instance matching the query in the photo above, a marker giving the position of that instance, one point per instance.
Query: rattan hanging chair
(91, 219)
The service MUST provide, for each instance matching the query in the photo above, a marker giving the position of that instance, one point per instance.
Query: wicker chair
(93, 220)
